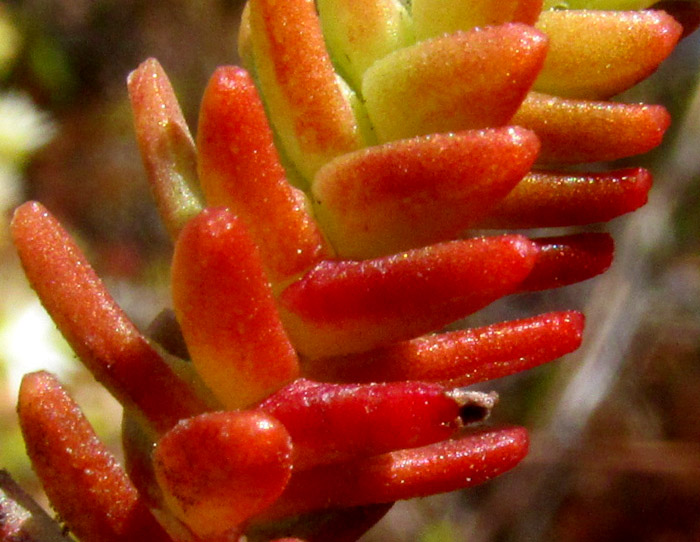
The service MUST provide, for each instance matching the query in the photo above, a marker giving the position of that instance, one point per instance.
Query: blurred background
(615, 426)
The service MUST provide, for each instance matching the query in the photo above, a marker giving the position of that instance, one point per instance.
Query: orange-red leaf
(463, 357)
(86, 485)
(549, 199)
(239, 168)
(104, 338)
(218, 469)
(224, 304)
(405, 474)
(329, 423)
(569, 259)
(576, 131)
(341, 307)
(415, 192)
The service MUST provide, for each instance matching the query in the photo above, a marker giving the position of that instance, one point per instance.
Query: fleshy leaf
(577, 131)
(341, 307)
(569, 259)
(545, 199)
(435, 17)
(405, 474)
(104, 338)
(329, 423)
(167, 148)
(224, 304)
(218, 469)
(240, 169)
(414, 192)
(465, 80)
(82, 478)
(464, 357)
(309, 109)
(598, 54)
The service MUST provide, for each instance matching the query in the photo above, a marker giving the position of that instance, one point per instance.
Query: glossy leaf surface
(81, 477)
(240, 169)
(341, 307)
(104, 338)
(445, 466)
(598, 54)
(329, 423)
(225, 307)
(551, 199)
(463, 357)
(460, 81)
(219, 469)
(577, 131)
(371, 201)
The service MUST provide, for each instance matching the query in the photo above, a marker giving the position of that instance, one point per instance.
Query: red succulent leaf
(104, 338)
(329, 423)
(569, 259)
(219, 469)
(577, 131)
(463, 357)
(404, 474)
(239, 168)
(227, 312)
(545, 199)
(86, 485)
(370, 201)
(341, 307)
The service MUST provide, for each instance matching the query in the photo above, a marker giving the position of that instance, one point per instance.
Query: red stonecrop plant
(321, 227)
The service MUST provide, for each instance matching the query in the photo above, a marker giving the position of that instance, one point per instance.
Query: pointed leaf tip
(166, 145)
(414, 192)
(341, 307)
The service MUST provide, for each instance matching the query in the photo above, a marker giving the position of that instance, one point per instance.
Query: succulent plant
(328, 224)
